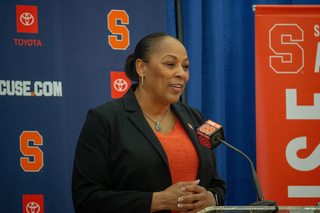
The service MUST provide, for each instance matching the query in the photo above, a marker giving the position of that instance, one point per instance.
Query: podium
(261, 209)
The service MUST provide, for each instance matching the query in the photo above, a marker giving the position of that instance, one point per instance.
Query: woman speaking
(140, 153)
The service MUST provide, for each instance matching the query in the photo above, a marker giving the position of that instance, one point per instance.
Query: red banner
(288, 103)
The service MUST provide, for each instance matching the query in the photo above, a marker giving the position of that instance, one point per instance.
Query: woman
(140, 153)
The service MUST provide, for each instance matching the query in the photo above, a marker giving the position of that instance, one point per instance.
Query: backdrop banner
(58, 59)
(288, 103)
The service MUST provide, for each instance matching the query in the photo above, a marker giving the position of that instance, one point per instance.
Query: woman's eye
(170, 64)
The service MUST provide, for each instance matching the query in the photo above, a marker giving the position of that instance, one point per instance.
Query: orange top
(182, 156)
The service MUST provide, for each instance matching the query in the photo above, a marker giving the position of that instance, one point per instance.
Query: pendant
(158, 127)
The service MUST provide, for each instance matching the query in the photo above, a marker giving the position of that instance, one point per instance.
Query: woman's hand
(197, 199)
(183, 197)
(168, 199)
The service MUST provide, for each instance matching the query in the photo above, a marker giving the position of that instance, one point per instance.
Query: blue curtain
(219, 37)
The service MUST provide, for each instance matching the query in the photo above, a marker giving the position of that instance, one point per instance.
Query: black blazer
(119, 161)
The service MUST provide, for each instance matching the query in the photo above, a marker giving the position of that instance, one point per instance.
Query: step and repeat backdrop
(57, 60)
(288, 103)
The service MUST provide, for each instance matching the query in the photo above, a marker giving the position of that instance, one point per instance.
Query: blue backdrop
(75, 53)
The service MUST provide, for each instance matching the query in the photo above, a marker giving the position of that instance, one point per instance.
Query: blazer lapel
(135, 115)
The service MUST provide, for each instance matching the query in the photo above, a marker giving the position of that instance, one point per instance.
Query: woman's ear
(140, 65)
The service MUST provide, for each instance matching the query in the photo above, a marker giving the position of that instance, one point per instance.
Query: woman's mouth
(176, 87)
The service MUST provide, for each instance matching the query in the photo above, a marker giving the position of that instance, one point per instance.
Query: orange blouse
(182, 156)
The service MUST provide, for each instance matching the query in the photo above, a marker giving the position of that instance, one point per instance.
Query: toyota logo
(120, 85)
(26, 19)
(33, 207)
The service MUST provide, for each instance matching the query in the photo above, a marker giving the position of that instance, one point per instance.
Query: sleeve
(92, 188)
(217, 185)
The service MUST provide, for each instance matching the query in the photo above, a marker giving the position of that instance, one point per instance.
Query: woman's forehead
(171, 47)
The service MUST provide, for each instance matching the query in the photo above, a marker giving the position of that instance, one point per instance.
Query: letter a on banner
(288, 103)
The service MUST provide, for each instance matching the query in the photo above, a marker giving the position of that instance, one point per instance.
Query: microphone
(211, 135)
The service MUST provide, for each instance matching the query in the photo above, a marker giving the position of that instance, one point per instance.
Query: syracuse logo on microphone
(207, 131)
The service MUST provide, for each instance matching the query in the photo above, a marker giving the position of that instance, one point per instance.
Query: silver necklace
(158, 127)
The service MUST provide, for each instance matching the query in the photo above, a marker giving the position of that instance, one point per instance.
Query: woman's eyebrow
(187, 59)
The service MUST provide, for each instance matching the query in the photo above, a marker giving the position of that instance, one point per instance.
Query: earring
(142, 80)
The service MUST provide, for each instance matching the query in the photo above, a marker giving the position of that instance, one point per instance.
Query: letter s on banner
(27, 164)
(118, 30)
(284, 42)
(302, 164)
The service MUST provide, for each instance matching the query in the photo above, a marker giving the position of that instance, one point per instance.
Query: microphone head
(209, 133)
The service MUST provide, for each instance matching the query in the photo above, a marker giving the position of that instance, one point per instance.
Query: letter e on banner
(120, 39)
(33, 160)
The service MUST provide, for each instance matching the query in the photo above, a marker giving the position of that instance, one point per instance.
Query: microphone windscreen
(208, 134)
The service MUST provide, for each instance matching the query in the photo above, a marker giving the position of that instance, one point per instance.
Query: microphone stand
(261, 201)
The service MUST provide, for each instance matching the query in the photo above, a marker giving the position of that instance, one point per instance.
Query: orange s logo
(118, 30)
(288, 55)
(28, 164)
(207, 129)
(204, 142)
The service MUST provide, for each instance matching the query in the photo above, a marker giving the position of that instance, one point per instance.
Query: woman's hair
(142, 51)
